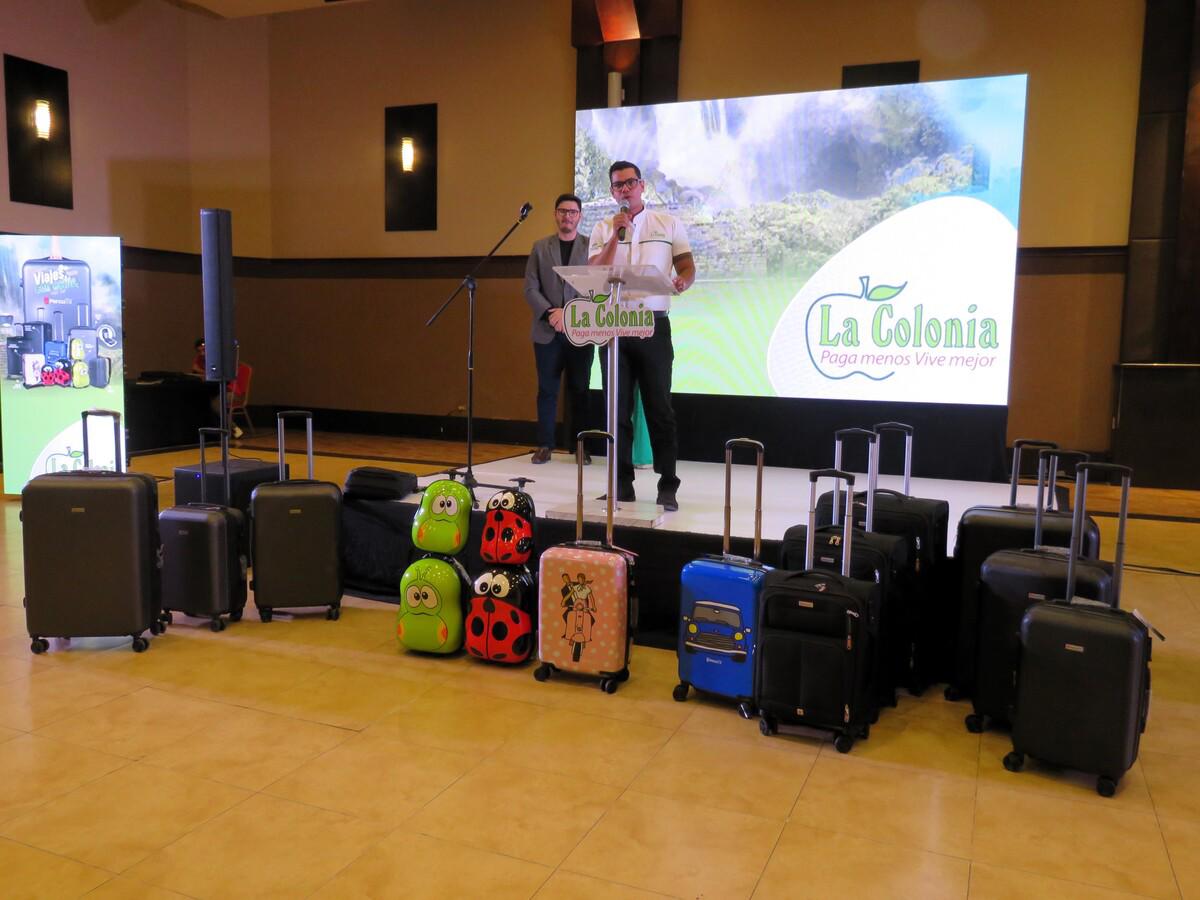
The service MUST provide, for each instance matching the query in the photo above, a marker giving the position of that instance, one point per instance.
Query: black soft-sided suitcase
(376, 483)
(1083, 697)
(203, 566)
(923, 637)
(878, 557)
(296, 533)
(91, 552)
(816, 631)
(982, 531)
(1011, 581)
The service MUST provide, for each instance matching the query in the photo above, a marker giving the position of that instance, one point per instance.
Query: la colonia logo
(844, 318)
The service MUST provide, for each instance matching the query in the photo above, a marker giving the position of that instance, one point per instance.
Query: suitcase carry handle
(810, 539)
(872, 471)
(1018, 444)
(1049, 459)
(612, 452)
(223, 436)
(759, 452)
(1082, 472)
(118, 457)
(308, 428)
(907, 431)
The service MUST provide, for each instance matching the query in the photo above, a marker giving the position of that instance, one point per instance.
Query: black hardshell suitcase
(296, 536)
(1010, 582)
(108, 583)
(817, 631)
(204, 567)
(1083, 697)
(376, 483)
(923, 637)
(982, 531)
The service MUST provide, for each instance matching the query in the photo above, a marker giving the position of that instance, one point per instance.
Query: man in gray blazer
(546, 294)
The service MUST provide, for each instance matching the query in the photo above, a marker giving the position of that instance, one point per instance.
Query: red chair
(239, 396)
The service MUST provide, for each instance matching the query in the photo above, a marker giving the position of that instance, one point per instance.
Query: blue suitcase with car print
(719, 610)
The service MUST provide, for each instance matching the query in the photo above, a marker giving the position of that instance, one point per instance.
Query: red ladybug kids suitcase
(587, 603)
(499, 626)
(508, 533)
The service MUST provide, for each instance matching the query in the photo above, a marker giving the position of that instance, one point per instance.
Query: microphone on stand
(525, 211)
(621, 230)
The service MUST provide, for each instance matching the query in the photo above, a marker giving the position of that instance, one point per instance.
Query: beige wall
(168, 111)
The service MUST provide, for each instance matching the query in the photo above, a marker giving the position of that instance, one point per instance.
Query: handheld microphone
(525, 211)
(621, 230)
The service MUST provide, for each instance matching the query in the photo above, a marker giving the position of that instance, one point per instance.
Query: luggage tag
(1149, 627)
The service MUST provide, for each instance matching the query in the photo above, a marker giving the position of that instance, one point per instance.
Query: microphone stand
(468, 476)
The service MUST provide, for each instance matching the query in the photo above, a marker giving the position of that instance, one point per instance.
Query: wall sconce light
(41, 119)
(410, 166)
(407, 154)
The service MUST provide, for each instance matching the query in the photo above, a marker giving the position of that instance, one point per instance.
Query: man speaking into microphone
(640, 237)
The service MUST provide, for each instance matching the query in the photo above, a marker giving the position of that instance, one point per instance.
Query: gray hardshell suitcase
(982, 531)
(1083, 696)
(108, 583)
(296, 535)
(1010, 582)
(203, 567)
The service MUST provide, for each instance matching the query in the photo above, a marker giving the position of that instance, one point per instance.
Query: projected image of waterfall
(791, 201)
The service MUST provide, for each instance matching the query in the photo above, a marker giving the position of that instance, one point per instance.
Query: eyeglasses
(567, 212)
(629, 183)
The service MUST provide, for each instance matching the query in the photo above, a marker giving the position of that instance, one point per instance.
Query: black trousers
(646, 363)
(552, 360)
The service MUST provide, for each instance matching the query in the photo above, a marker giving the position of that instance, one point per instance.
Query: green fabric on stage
(642, 454)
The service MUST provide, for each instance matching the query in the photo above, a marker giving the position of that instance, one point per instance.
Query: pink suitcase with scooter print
(587, 603)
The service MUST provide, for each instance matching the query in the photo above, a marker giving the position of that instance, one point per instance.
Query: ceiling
(236, 9)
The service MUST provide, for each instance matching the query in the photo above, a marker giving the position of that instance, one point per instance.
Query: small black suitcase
(1083, 696)
(817, 631)
(1010, 582)
(376, 483)
(296, 533)
(982, 531)
(922, 636)
(108, 583)
(203, 566)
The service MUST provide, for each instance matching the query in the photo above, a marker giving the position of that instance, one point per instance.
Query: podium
(612, 304)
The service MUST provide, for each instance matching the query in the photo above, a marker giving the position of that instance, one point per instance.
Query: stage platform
(702, 493)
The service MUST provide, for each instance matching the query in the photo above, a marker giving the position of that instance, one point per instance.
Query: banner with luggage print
(60, 327)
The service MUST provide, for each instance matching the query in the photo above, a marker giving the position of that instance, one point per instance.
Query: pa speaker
(216, 267)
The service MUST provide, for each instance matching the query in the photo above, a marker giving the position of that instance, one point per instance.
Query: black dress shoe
(587, 458)
(541, 455)
(666, 499)
(625, 494)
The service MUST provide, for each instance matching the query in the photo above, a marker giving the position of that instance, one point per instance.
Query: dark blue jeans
(552, 360)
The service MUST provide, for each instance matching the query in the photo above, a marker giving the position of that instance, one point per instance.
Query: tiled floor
(309, 758)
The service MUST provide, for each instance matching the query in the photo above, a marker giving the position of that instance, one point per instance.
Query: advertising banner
(853, 245)
(60, 328)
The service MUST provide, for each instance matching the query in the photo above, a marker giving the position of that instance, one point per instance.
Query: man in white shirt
(644, 237)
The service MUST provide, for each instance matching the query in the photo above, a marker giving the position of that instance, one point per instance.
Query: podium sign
(612, 302)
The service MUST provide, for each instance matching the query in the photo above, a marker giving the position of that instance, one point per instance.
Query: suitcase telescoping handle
(907, 430)
(118, 458)
(758, 452)
(872, 439)
(1048, 461)
(1018, 445)
(223, 436)
(308, 422)
(810, 539)
(612, 452)
(1082, 472)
